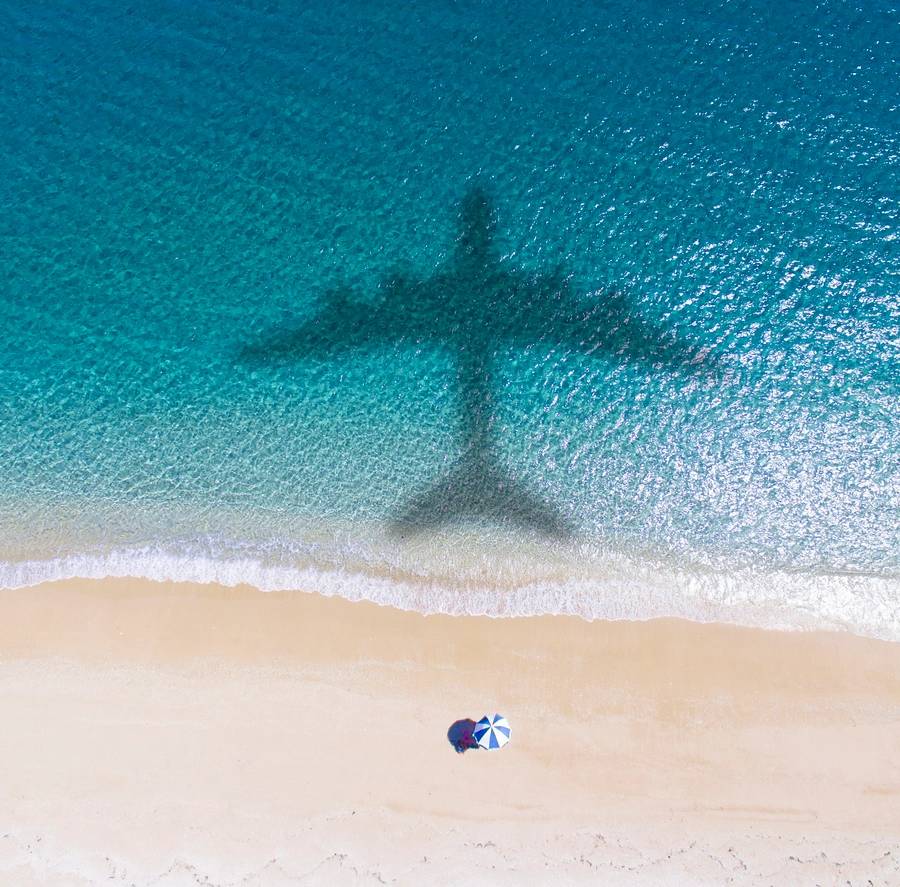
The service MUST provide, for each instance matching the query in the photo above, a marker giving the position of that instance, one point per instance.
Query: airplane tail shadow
(479, 490)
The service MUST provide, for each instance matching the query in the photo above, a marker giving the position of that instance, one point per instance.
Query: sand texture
(155, 734)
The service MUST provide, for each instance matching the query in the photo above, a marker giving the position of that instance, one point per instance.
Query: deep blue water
(183, 184)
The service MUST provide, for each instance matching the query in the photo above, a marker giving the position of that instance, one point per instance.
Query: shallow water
(613, 297)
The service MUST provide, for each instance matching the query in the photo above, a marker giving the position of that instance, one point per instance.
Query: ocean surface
(506, 308)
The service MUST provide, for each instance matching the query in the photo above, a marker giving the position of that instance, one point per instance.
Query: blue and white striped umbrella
(492, 732)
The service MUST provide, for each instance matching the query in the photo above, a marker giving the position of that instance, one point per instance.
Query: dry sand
(180, 735)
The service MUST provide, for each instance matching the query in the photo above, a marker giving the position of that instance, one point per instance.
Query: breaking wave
(606, 587)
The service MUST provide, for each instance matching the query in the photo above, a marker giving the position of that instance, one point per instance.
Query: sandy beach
(176, 734)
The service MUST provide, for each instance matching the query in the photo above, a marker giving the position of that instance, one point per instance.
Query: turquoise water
(665, 380)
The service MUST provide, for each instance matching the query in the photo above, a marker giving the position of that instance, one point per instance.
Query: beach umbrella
(492, 732)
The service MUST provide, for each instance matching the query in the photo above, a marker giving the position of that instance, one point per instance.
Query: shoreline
(198, 729)
(610, 588)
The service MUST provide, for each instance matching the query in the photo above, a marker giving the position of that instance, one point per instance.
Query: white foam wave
(624, 589)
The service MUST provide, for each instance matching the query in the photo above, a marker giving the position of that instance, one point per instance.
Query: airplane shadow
(472, 304)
